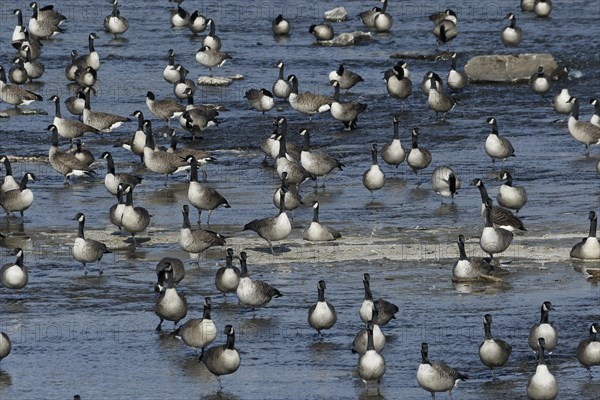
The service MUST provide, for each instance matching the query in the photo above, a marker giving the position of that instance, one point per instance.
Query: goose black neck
(452, 183)
(186, 220)
(173, 144)
(23, 183)
(294, 86)
(513, 22)
(461, 250)
(230, 345)
(115, 10)
(544, 316)
(282, 146)
(129, 198)
(488, 331)
(110, 164)
(19, 260)
(80, 229)
(282, 201)
(190, 99)
(483, 192)
(424, 357)
(243, 268)
(306, 141)
(540, 356)
(7, 166)
(87, 100)
(495, 128)
(149, 137)
(229, 261)
(321, 293)
(368, 294)
(488, 217)
(19, 18)
(281, 72)
(396, 129)
(593, 225)
(34, 15)
(575, 111)
(336, 93)
(316, 214)
(212, 29)
(385, 3)
(171, 61)
(2, 75)
(206, 313)
(169, 278)
(415, 141)
(54, 137)
(508, 180)
(454, 63)
(140, 122)
(370, 344)
(193, 170)
(373, 156)
(91, 44)
(57, 108)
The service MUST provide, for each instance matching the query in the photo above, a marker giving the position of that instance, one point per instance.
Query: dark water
(94, 335)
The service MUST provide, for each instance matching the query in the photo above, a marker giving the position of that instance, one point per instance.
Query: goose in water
(272, 228)
(252, 293)
(170, 73)
(346, 78)
(115, 213)
(15, 95)
(418, 157)
(14, 275)
(527, 5)
(201, 196)
(92, 59)
(18, 199)
(457, 80)
(212, 40)
(493, 353)
(501, 217)
(86, 77)
(584, 132)
(202, 157)
(493, 240)
(136, 143)
(184, 87)
(165, 109)
(542, 385)
(469, 269)
(438, 100)
(69, 128)
(169, 304)
(368, 17)
(197, 23)
(179, 17)
(513, 197)
(134, 219)
(197, 241)
(83, 155)
(281, 26)
(542, 8)
(306, 102)
(497, 147)
(281, 88)
(260, 99)
(383, 21)
(87, 250)
(397, 83)
(512, 34)
(102, 121)
(426, 83)
(227, 278)
(588, 350)
(595, 119)
(437, 377)
(317, 163)
(5, 345)
(360, 340)
(196, 118)
(112, 179)
(543, 330)
(589, 247)
(17, 74)
(321, 32)
(198, 333)
(9, 182)
(210, 57)
(44, 23)
(560, 102)
(317, 232)
(292, 151)
(222, 359)
(321, 315)
(114, 23)
(371, 365)
(159, 161)
(291, 199)
(63, 162)
(392, 152)
(178, 272)
(373, 178)
(71, 68)
(345, 112)
(296, 173)
(18, 35)
(76, 103)
(445, 26)
(34, 68)
(387, 310)
(539, 82)
(444, 182)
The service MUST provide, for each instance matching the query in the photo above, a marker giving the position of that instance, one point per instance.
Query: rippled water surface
(94, 335)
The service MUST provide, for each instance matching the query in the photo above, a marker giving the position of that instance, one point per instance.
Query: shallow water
(95, 335)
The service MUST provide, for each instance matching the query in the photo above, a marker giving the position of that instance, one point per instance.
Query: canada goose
(178, 272)
(202, 157)
(227, 278)
(317, 163)
(291, 197)
(589, 247)
(15, 95)
(71, 67)
(92, 59)
(539, 81)
(497, 147)
(426, 83)
(560, 102)
(18, 35)
(17, 73)
(169, 304)
(159, 161)
(584, 132)
(359, 345)
(501, 217)
(212, 40)
(102, 121)
(252, 293)
(456, 80)
(201, 196)
(44, 23)
(513, 197)
(418, 157)
(197, 23)
(345, 112)
(306, 102)
(296, 173)
(437, 377)
(260, 99)
(440, 16)
(179, 17)
(9, 182)
(393, 153)
(76, 103)
(438, 100)
(34, 68)
(86, 77)
(199, 333)
(527, 5)
(223, 359)
(170, 73)
(445, 26)
(272, 228)
(493, 353)
(512, 34)
(63, 162)
(469, 269)
(444, 182)
(5, 345)
(196, 118)
(317, 232)
(397, 83)
(115, 213)
(136, 143)
(346, 78)
(588, 350)
(34, 44)
(114, 23)
(69, 128)
(87, 250)
(595, 119)
(292, 151)
(542, 385)
(83, 155)
(368, 17)
(14, 275)
(493, 240)
(47, 13)
(386, 310)
(321, 315)
(383, 21)
(112, 179)
(542, 8)
(164, 109)
(543, 330)
(281, 26)
(373, 178)
(321, 31)
(134, 219)
(197, 241)
(371, 364)
(184, 87)
(18, 199)
(281, 87)
(210, 57)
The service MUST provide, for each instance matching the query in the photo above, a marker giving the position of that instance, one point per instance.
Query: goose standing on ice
(222, 359)
(588, 350)
(87, 250)
(542, 385)
(373, 178)
(321, 315)
(497, 147)
(584, 132)
(392, 152)
(169, 304)
(444, 182)
(18, 199)
(317, 163)
(196, 241)
(272, 228)
(493, 240)
(317, 232)
(253, 293)
(14, 275)
(437, 377)
(589, 247)
(227, 278)
(513, 197)
(199, 332)
(543, 330)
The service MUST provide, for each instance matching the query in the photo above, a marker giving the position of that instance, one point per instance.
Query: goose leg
(159, 326)
(100, 271)
(85, 271)
(219, 378)
(166, 178)
(208, 219)
(199, 218)
(271, 246)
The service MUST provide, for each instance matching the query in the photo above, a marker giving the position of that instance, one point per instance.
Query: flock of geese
(294, 165)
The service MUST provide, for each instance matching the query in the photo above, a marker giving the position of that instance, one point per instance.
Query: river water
(94, 335)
